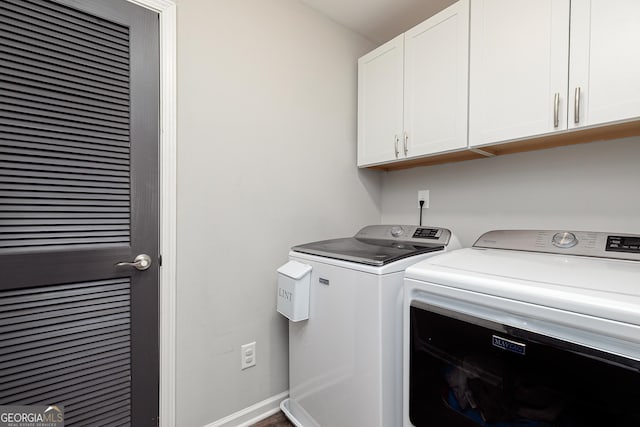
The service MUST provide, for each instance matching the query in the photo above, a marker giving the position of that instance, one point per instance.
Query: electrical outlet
(248, 355)
(424, 195)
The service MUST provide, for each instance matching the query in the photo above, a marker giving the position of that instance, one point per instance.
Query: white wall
(266, 159)
(592, 186)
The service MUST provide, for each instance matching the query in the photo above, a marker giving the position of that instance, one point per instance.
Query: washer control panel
(427, 233)
(406, 233)
(397, 231)
(581, 243)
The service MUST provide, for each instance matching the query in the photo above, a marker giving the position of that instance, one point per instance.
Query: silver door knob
(141, 262)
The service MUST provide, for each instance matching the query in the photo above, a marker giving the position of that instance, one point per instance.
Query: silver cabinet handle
(556, 110)
(406, 139)
(397, 142)
(141, 262)
(576, 106)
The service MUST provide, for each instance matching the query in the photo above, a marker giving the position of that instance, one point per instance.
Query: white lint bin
(294, 279)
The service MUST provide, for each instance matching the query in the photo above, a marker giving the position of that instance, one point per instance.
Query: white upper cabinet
(605, 61)
(412, 91)
(436, 73)
(523, 53)
(380, 97)
(519, 55)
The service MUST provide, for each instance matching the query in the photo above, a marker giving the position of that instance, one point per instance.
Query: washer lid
(379, 245)
(366, 251)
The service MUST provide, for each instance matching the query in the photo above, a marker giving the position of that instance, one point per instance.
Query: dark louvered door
(79, 93)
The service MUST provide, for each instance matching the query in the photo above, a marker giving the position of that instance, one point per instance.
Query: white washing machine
(526, 328)
(345, 361)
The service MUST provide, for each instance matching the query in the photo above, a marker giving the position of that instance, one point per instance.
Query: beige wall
(585, 187)
(266, 159)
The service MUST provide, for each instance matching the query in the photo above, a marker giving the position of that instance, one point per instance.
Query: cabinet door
(436, 71)
(605, 65)
(518, 63)
(380, 91)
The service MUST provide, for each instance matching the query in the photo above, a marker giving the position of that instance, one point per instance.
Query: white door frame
(166, 10)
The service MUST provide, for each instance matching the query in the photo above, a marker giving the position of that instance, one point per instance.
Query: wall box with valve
(294, 279)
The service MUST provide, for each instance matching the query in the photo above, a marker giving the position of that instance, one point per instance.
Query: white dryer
(345, 361)
(527, 328)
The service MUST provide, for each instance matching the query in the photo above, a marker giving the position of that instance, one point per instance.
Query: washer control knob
(397, 231)
(564, 240)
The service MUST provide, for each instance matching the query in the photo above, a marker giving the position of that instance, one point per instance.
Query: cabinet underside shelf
(559, 139)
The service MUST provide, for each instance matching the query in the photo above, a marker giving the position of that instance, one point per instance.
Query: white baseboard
(253, 413)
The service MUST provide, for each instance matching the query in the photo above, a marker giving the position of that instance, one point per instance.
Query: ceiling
(378, 20)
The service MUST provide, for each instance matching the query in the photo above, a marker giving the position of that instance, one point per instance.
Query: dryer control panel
(581, 243)
(623, 244)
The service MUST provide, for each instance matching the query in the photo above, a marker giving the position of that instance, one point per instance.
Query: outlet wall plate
(248, 355)
(424, 195)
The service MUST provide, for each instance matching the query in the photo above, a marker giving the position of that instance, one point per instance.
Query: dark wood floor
(276, 420)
